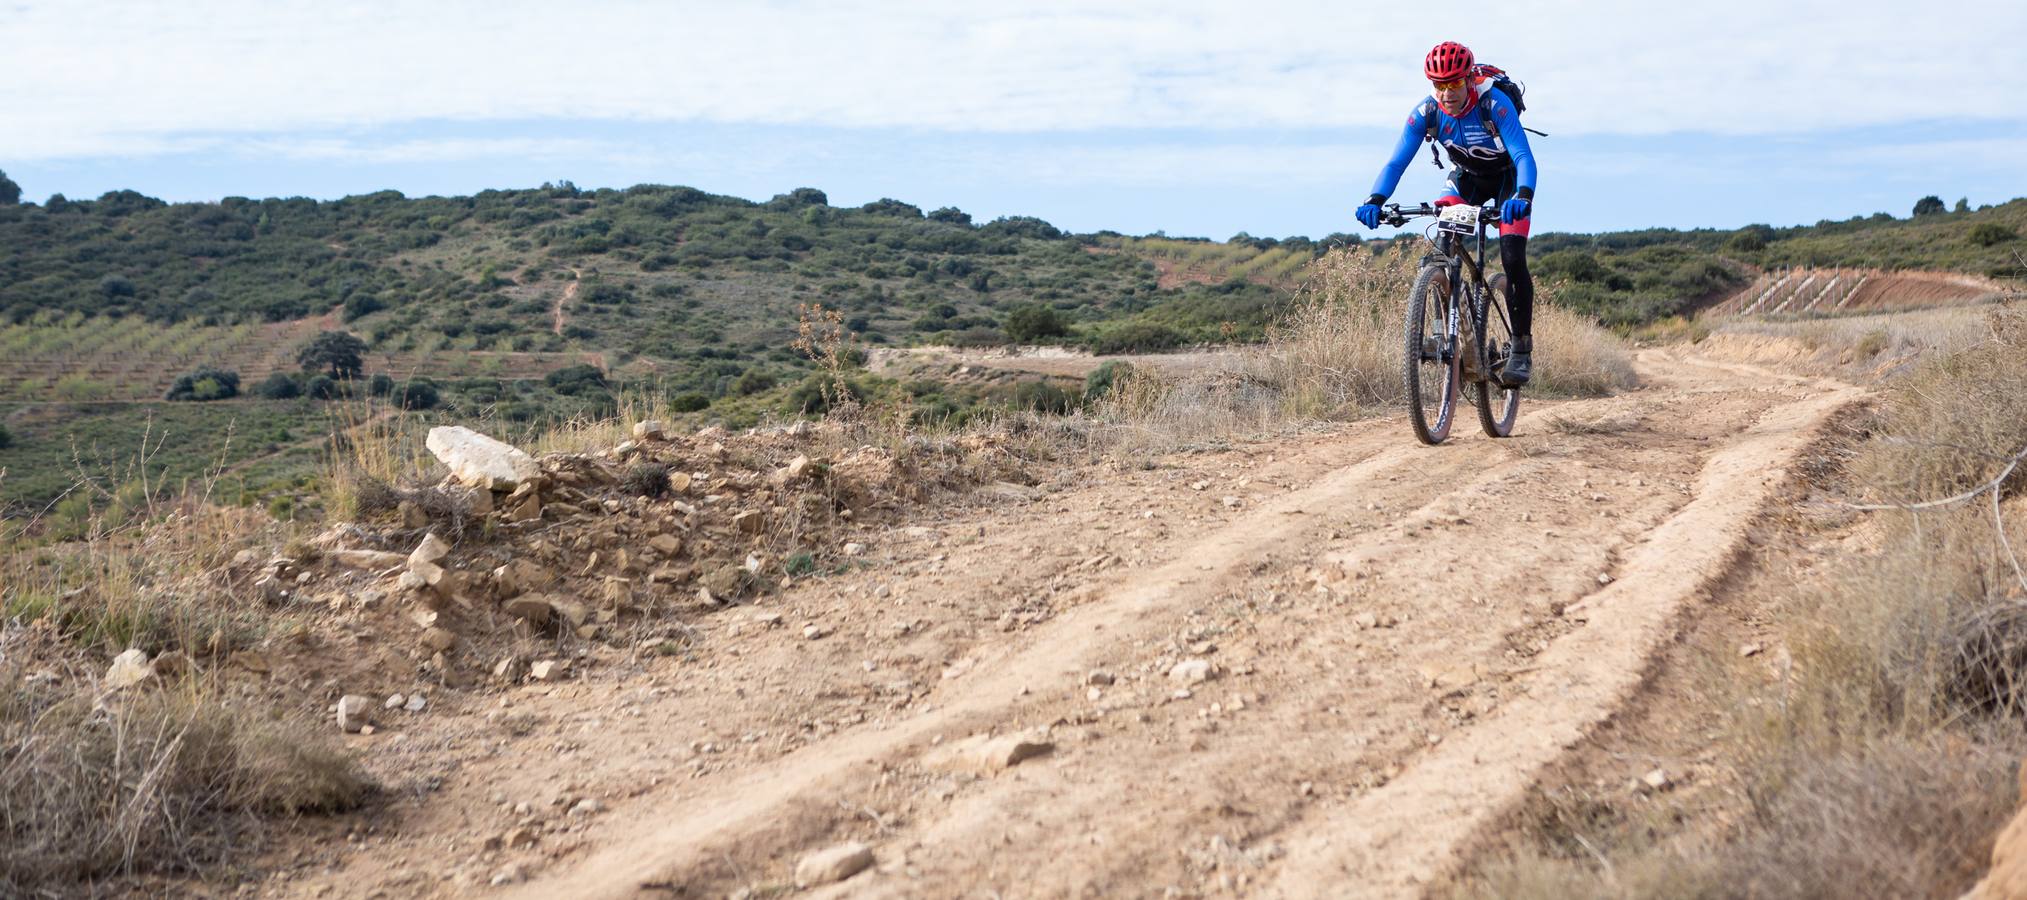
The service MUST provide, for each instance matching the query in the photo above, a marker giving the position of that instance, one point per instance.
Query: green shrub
(578, 379)
(1031, 322)
(417, 394)
(689, 402)
(6, 437)
(1100, 381)
(380, 385)
(322, 387)
(1988, 234)
(278, 386)
(205, 384)
(1136, 337)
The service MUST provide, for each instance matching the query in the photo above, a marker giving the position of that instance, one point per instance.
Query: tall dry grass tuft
(1338, 353)
(98, 786)
(1574, 357)
(94, 788)
(1340, 350)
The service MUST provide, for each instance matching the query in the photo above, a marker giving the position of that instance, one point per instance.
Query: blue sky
(1193, 118)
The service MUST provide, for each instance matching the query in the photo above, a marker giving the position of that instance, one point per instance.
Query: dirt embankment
(1307, 668)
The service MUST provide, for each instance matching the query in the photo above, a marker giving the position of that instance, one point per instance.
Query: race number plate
(1461, 218)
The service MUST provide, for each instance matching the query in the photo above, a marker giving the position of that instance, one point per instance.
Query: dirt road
(1299, 668)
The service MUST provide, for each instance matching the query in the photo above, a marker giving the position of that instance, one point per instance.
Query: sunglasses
(1451, 85)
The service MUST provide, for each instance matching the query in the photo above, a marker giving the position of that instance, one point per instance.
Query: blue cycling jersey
(1466, 139)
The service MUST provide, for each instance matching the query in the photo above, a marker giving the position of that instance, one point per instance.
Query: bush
(322, 387)
(380, 385)
(361, 304)
(1929, 206)
(157, 783)
(1031, 322)
(6, 437)
(689, 402)
(1043, 397)
(417, 394)
(1100, 381)
(1988, 234)
(205, 384)
(278, 386)
(578, 379)
(1136, 337)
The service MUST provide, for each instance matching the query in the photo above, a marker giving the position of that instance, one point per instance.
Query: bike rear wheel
(1429, 366)
(1498, 405)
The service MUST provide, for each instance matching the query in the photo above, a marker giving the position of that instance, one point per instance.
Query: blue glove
(1514, 210)
(1368, 215)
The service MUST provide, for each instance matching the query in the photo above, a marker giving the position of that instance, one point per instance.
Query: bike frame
(1477, 290)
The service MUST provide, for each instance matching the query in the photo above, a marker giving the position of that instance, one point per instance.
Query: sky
(1191, 118)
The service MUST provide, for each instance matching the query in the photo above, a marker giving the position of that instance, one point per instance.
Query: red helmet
(1448, 62)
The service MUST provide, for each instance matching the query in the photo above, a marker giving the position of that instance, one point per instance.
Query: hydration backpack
(1506, 85)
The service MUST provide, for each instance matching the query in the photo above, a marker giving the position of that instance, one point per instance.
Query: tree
(6, 437)
(952, 215)
(10, 193)
(1031, 322)
(1963, 204)
(336, 352)
(1929, 205)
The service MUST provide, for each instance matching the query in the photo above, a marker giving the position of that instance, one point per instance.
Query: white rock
(815, 632)
(481, 461)
(394, 701)
(352, 710)
(586, 807)
(431, 550)
(508, 874)
(545, 670)
(416, 703)
(833, 864)
(129, 668)
(1604, 578)
(650, 430)
(1230, 502)
(1191, 671)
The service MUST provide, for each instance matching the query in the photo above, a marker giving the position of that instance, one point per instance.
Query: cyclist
(1480, 128)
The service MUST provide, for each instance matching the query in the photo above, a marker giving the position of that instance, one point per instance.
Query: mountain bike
(1456, 334)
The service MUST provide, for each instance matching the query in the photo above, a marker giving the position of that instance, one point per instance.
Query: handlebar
(1397, 215)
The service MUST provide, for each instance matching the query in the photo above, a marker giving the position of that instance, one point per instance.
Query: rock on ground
(352, 712)
(833, 864)
(481, 461)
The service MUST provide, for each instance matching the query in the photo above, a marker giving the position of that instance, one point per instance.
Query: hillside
(523, 308)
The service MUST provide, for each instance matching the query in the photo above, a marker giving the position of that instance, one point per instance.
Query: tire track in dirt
(1405, 640)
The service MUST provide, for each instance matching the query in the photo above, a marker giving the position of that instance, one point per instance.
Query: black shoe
(1519, 365)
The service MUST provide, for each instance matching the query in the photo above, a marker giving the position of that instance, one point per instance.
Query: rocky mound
(517, 567)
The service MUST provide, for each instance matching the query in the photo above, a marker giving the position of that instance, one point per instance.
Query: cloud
(100, 78)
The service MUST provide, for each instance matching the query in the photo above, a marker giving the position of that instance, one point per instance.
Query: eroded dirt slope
(1303, 668)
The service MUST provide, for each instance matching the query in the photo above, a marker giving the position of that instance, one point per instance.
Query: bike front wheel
(1498, 405)
(1429, 366)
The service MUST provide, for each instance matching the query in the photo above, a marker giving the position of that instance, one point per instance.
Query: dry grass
(1340, 350)
(165, 781)
(1880, 762)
